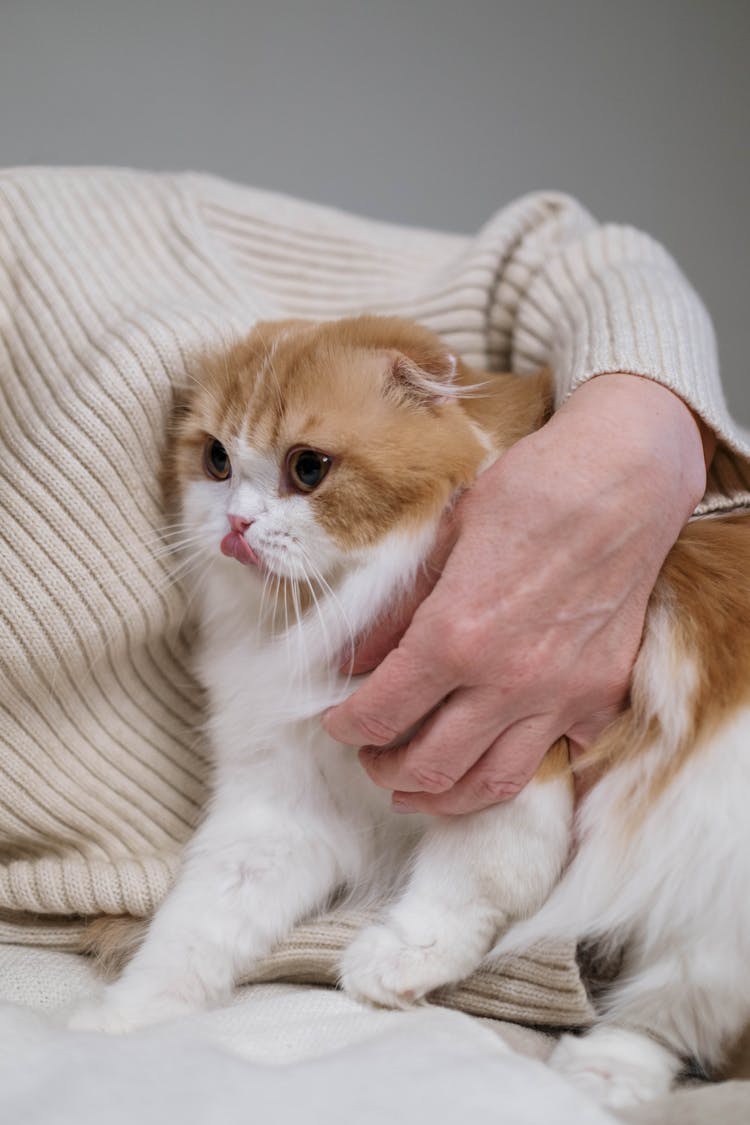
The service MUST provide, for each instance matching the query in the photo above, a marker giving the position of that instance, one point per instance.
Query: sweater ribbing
(112, 283)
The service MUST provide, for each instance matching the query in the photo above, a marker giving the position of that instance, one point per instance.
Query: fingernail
(402, 804)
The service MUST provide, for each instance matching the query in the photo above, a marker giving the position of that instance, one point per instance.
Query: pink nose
(239, 524)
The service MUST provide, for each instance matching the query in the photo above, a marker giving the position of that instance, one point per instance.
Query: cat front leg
(239, 892)
(472, 876)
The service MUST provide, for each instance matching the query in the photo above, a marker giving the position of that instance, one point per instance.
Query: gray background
(420, 111)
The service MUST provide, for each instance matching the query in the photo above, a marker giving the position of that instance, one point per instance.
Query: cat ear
(429, 382)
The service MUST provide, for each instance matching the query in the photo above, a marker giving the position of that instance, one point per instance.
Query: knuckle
(538, 664)
(462, 642)
(526, 669)
(431, 780)
(491, 789)
(375, 730)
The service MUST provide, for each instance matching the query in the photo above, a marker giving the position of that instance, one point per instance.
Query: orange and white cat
(312, 463)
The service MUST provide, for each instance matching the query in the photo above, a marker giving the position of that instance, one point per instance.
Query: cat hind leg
(688, 1005)
(617, 1066)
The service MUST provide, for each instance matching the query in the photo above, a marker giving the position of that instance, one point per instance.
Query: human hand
(532, 629)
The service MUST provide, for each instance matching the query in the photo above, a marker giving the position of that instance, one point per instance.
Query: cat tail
(112, 941)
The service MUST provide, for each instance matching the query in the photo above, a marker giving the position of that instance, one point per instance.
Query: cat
(312, 463)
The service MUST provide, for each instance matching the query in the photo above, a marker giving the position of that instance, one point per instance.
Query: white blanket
(277, 1054)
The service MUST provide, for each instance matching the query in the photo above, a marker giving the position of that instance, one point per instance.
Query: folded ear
(428, 381)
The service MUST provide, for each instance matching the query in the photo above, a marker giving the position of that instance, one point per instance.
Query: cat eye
(216, 460)
(306, 468)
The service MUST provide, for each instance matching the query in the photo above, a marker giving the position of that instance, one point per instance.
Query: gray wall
(422, 111)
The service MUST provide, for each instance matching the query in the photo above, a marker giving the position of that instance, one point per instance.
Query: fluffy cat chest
(294, 763)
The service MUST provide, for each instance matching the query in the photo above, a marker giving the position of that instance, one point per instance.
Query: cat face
(306, 445)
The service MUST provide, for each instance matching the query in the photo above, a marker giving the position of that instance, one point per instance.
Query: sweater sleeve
(587, 299)
(593, 298)
(541, 284)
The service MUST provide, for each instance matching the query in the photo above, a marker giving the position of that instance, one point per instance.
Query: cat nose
(239, 523)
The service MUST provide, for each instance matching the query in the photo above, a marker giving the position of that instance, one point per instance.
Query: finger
(374, 646)
(409, 683)
(443, 750)
(499, 775)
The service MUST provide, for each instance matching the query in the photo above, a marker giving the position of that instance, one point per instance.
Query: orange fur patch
(113, 941)
(555, 763)
(704, 592)
(353, 389)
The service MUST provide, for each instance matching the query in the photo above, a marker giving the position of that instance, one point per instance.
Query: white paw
(383, 968)
(618, 1068)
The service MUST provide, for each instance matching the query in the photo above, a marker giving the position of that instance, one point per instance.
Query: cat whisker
(194, 379)
(140, 565)
(335, 602)
(276, 595)
(303, 665)
(263, 599)
(174, 548)
(270, 367)
(158, 533)
(286, 619)
(202, 580)
(163, 537)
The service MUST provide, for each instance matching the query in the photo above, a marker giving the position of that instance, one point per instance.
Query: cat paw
(381, 968)
(617, 1068)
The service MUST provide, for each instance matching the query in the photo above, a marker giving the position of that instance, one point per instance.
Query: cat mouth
(235, 546)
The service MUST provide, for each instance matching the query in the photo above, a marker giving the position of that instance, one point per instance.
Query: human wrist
(635, 418)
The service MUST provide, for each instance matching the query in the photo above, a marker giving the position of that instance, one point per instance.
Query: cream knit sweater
(110, 283)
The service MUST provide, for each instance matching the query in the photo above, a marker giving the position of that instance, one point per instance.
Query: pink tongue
(235, 546)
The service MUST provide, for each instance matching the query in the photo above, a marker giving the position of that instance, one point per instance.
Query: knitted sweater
(111, 282)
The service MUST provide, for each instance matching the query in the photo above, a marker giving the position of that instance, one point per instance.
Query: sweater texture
(112, 284)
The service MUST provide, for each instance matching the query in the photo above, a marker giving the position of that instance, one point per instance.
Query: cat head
(303, 448)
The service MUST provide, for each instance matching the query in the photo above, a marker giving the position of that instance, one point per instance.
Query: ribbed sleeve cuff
(630, 309)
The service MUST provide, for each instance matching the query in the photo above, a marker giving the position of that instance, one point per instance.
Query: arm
(533, 627)
(532, 630)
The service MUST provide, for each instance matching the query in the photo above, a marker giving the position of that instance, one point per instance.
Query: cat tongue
(235, 546)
